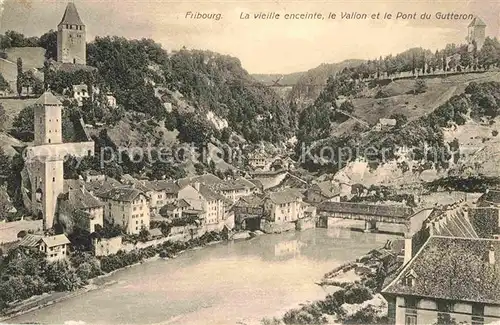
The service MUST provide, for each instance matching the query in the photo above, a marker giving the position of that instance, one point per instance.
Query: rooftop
(123, 194)
(56, 240)
(249, 201)
(30, 240)
(207, 179)
(492, 196)
(452, 268)
(71, 16)
(209, 194)
(82, 199)
(327, 189)
(48, 98)
(477, 22)
(396, 211)
(286, 196)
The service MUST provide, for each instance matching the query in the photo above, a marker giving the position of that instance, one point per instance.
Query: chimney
(491, 255)
(487, 190)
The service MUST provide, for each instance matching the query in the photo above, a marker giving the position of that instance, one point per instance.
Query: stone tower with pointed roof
(476, 32)
(71, 37)
(46, 158)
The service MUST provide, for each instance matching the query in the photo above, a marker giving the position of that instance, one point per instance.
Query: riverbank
(236, 282)
(353, 294)
(47, 299)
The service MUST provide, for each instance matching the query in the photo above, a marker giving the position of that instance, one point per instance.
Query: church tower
(71, 37)
(476, 32)
(46, 163)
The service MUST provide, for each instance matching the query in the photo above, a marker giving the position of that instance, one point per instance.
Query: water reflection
(219, 284)
(288, 248)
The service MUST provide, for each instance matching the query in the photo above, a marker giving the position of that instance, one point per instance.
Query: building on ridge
(476, 33)
(71, 37)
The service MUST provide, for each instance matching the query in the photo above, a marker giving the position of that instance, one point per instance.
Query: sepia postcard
(253, 162)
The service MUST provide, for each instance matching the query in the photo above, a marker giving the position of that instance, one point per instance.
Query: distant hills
(304, 87)
(310, 83)
(281, 79)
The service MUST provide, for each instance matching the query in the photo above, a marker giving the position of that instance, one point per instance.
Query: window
(411, 320)
(444, 309)
(477, 314)
(53, 179)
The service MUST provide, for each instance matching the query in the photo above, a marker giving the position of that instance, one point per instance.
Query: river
(229, 283)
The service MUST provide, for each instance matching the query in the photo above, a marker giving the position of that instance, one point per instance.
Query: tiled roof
(155, 232)
(48, 98)
(207, 179)
(170, 187)
(257, 183)
(71, 16)
(210, 195)
(102, 186)
(477, 22)
(453, 268)
(123, 194)
(326, 189)
(285, 196)
(174, 205)
(493, 196)
(485, 221)
(232, 185)
(451, 220)
(56, 240)
(249, 201)
(396, 211)
(82, 199)
(246, 182)
(30, 240)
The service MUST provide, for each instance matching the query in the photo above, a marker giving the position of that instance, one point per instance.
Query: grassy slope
(412, 106)
(12, 109)
(485, 154)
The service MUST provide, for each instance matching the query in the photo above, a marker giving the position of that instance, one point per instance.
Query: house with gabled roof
(450, 280)
(201, 197)
(323, 192)
(175, 209)
(248, 212)
(234, 189)
(128, 207)
(82, 200)
(55, 248)
(283, 206)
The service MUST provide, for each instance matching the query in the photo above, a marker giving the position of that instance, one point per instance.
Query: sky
(264, 46)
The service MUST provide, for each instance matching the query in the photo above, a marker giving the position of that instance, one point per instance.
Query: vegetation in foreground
(25, 273)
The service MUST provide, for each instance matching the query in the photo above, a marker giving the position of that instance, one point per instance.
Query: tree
(4, 85)
(490, 52)
(19, 81)
(420, 86)
(3, 117)
(49, 42)
(401, 119)
(144, 234)
(24, 121)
